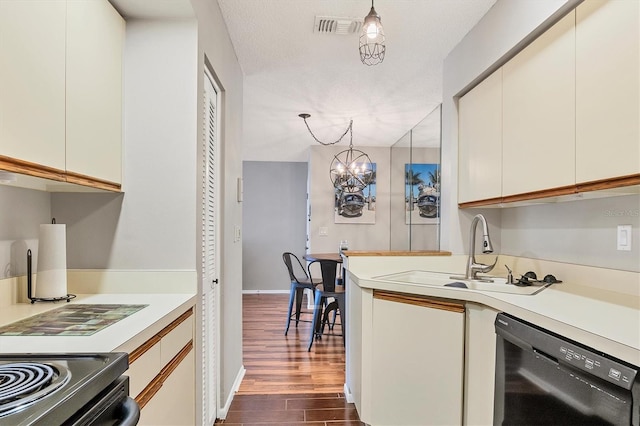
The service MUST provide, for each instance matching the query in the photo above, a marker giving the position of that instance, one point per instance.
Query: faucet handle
(481, 267)
(509, 275)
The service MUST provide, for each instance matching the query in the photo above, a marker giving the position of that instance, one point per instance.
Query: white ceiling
(290, 69)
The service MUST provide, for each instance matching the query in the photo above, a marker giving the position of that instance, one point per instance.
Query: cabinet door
(539, 113)
(32, 79)
(607, 89)
(417, 364)
(95, 37)
(174, 404)
(480, 364)
(480, 141)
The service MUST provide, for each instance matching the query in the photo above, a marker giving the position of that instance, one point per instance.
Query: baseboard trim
(347, 394)
(222, 412)
(265, 291)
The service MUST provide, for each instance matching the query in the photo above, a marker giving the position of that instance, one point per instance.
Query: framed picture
(422, 194)
(353, 204)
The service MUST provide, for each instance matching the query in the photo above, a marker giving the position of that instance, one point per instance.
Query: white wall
(214, 43)
(274, 211)
(153, 224)
(321, 198)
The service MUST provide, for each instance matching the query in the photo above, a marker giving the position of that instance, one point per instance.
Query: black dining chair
(299, 282)
(327, 288)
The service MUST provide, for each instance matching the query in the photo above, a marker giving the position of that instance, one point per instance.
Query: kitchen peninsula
(442, 342)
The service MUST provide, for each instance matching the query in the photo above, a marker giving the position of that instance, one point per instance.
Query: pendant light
(350, 170)
(372, 47)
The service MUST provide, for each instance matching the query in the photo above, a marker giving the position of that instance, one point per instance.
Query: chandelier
(372, 47)
(351, 170)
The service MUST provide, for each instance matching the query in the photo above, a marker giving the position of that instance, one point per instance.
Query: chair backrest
(297, 272)
(329, 272)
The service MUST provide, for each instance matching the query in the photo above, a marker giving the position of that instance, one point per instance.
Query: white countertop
(608, 321)
(125, 334)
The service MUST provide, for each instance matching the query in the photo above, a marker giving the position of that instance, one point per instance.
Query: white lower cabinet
(480, 363)
(173, 404)
(162, 375)
(416, 368)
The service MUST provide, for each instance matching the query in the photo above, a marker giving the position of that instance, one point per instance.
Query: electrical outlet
(624, 237)
(323, 231)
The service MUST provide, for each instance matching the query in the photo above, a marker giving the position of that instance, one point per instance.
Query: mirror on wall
(415, 186)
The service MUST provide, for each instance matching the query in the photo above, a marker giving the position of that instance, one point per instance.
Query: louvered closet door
(210, 253)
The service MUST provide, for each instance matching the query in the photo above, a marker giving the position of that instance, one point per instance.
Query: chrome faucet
(474, 267)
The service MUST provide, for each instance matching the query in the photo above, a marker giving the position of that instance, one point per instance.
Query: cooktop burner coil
(23, 383)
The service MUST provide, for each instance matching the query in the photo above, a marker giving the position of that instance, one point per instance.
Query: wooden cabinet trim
(92, 182)
(140, 350)
(15, 165)
(599, 185)
(618, 182)
(356, 253)
(416, 300)
(182, 318)
(32, 169)
(156, 384)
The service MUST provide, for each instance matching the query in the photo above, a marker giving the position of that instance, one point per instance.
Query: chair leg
(299, 294)
(292, 295)
(317, 312)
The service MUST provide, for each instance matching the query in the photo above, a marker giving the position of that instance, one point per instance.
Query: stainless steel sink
(440, 279)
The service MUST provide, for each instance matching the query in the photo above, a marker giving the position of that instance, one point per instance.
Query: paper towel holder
(68, 297)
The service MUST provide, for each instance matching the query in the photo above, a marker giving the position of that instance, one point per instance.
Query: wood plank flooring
(284, 384)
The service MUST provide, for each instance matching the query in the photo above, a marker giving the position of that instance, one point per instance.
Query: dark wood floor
(284, 384)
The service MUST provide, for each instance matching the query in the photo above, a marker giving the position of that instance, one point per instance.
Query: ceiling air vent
(333, 25)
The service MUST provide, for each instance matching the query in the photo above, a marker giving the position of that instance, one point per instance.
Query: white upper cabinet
(32, 81)
(95, 37)
(539, 113)
(607, 89)
(480, 141)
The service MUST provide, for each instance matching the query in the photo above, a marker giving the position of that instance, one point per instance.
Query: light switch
(236, 233)
(624, 237)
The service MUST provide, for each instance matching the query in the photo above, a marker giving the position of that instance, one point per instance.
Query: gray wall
(21, 213)
(274, 212)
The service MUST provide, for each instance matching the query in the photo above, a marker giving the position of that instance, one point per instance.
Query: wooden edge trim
(352, 253)
(618, 182)
(182, 318)
(417, 300)
(140, 350)
(92, 182)
(154, 386)
(552, 192)
(480, 203)
(31, 169)
(596, 185)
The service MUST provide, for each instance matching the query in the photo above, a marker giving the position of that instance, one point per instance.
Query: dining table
(310, 257)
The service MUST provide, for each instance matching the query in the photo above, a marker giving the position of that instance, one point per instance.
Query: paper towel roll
(51, 281)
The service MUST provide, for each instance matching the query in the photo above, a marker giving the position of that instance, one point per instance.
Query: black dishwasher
(543, 378)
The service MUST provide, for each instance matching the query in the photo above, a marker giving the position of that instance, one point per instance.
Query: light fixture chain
(348, 130)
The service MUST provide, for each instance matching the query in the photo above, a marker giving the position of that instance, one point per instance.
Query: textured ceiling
(290, 69)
